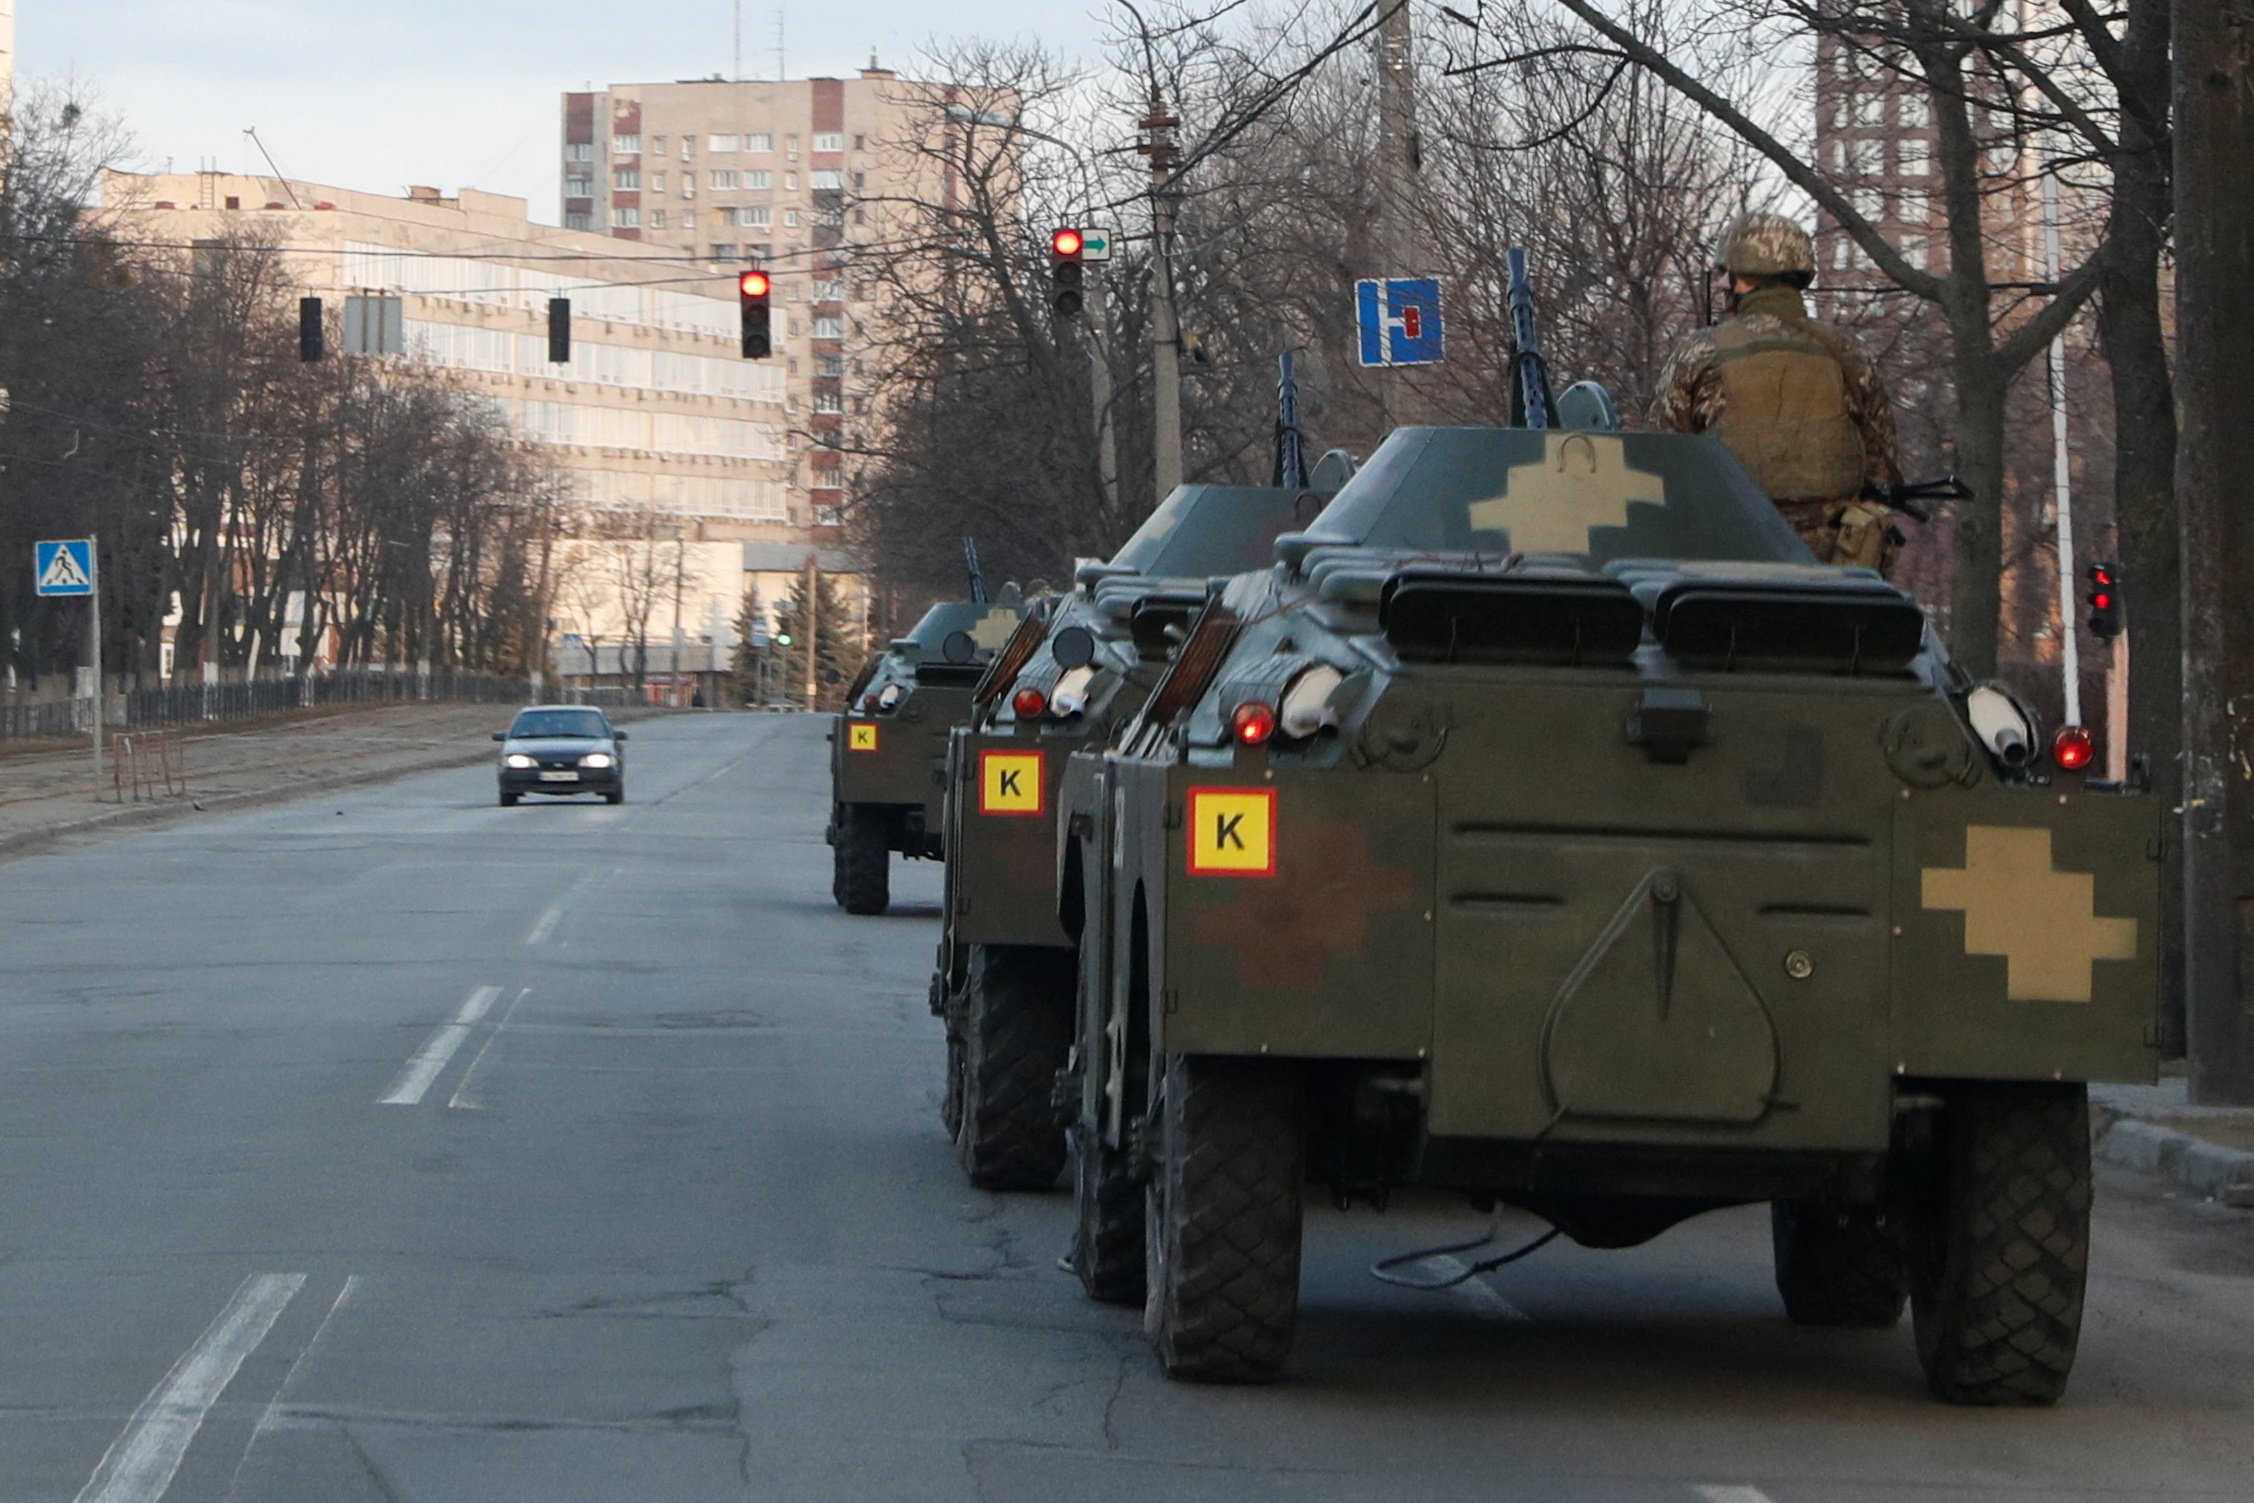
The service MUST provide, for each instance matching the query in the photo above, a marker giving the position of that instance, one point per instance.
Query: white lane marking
(552, 915)
(1476, 1291)
(424, 1067)
(140, 1463)
(464, 1099)
(1721, 1494)
(273, 1409)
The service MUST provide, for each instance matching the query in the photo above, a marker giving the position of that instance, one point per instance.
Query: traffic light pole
(2062, 486)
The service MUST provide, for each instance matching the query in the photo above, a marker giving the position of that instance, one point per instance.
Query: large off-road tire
(864, 876)
(1016, 1013)
(1223, 1220)
(2000, 1244)
(1108, 1254)
(1840, 1267)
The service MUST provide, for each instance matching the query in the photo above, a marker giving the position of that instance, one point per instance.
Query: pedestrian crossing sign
(65, 567)
(860, 736)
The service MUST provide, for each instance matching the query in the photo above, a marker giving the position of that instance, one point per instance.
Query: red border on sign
(1040, 783)
(861, 725)
(1189, 831)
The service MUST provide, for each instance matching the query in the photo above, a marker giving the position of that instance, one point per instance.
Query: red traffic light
(1066, 243)
(755, 284)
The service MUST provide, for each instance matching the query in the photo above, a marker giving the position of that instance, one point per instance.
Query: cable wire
(1382, 1270)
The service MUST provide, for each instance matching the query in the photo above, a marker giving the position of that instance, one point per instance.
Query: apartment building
(787, 175)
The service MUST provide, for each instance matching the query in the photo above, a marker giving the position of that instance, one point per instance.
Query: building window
(657, 182)
(790, 148)
(858, 179)
(626, 146)
(829, 292)
(829, 140)
(1870, 108)
(829, 326)
(759, 252)
(688, 147)
(790, 219)
(627, 179)
(1842, 253)
(860, 143)
(1868, 202)
(1869, 158)
(723, 143)
(688, 185)
(626, 218)
(829, 365)
(723, 182)
(755, 216)
(723, 252)
(657, 219)
(657, 146)
(759, 140)
(828, 401)
(1913, 250)
(759, 182)
(1913, 111)
(859, 217)
(1917, 158)
(825, 177)
(579, 219)
(579, 151)
(579, 187)
(1835, 155)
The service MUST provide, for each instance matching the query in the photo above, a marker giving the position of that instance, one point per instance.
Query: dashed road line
(274, 1405)
(552, 915)
(1719, 1493)
(1475, 1291)
(141, 1462)
(464, 1099)
(425, 1067)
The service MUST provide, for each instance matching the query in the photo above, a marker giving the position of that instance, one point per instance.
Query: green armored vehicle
(1004, 980)
(888, 746)
(1545, 826)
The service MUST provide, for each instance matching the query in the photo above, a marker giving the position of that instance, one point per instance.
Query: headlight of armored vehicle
(2003, 723)
(1307, 706)
(1070, 696)
(889, 696)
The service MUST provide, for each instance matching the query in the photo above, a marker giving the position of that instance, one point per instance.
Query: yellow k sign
(1232, 832)
(860, 735)
(1012, 783)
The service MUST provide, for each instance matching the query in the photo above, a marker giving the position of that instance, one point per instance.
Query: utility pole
(1099, 382)
(1399, 162)
(813, 621)
(680, 561)
(2062, 484)
(1166, 329)
(2214, 161)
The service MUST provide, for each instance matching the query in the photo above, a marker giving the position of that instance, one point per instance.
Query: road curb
(2155, 1148)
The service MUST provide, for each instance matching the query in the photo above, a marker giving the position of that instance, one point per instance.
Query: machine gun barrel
(1291, 457)
(1530, 394)
(977, 578)
(1912, 498)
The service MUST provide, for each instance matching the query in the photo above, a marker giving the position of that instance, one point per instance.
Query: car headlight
(598, 759)
(518, 759)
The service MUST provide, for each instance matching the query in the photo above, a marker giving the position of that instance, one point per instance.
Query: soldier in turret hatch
(1795, 399)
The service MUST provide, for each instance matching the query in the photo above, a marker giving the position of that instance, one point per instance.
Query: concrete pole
(94, 647)
(680, 561)
(1099, 382)
(813, 621)
(2062, 485)
(1166, 329)
(1398, 167)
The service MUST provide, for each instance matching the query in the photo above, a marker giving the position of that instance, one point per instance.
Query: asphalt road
(401, 1147)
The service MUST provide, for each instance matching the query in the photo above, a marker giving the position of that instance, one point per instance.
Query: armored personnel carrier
(887, 748)
(1005, 975)
(1545, 826)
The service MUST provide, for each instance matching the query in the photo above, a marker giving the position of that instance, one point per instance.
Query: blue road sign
(1399, 319)
(64, 568)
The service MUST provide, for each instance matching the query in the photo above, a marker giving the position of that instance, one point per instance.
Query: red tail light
(1029, 703)
(2073, 748)
(1253, 722)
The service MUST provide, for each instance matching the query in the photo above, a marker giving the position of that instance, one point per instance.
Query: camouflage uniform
(1800, 405)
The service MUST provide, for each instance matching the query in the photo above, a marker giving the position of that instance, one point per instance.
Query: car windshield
(534, 724)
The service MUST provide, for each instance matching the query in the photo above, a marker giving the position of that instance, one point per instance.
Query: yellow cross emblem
(2043, 921)
(1552, 504)
(860, 735)
(995, 628)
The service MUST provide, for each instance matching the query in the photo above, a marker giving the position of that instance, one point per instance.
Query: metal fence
(187, 704)
(206, 704)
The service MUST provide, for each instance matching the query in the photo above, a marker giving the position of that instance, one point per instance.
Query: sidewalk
(2208, 1150)
(47, 796)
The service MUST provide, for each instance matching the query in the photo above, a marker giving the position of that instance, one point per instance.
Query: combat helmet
(1768, 245)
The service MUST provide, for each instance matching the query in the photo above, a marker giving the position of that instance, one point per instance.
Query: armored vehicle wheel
(1016, 1035)
(1223, 1220)
(1107, 1225)
(1839, 1267)
(864, 877)
(837, 863)
(2000, 1246)
(951, 1104)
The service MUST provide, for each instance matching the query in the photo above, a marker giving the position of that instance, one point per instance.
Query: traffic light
(754, 287)
(310, 331)
(559, 331)
(1065, 272)
(2105, 599)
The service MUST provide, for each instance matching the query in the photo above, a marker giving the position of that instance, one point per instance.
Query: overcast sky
(377, 94)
